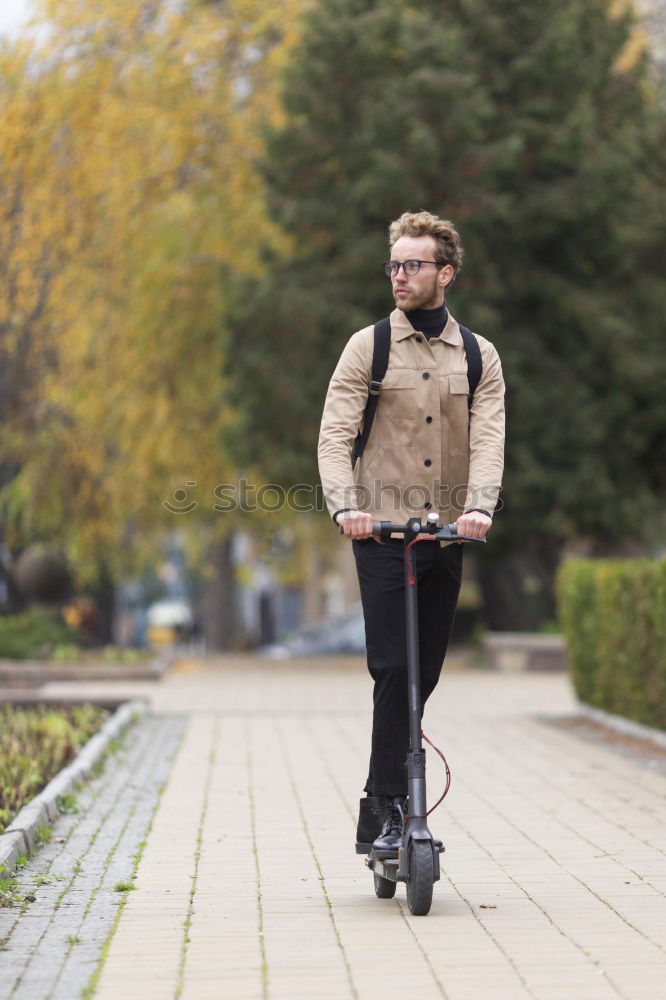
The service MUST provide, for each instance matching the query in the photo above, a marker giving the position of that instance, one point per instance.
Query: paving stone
(52, 947)
(249, 888)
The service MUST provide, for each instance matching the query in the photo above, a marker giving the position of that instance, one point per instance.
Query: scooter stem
(416, 755)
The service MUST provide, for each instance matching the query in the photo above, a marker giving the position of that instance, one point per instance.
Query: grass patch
(43, 834)
(9, 894)
(35, 744)
(9, 891)
(67, 804)
(101, 656)
(124, 887)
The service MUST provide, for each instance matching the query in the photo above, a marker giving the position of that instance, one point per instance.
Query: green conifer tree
(537, 129)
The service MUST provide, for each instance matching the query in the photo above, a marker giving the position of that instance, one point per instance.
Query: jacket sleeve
(342, 417)
(486, 435)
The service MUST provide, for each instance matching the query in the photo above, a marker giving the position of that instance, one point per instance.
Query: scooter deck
(386, 867)
(367, 848)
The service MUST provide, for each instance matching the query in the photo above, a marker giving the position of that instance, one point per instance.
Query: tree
(128, 191)
(536, 128)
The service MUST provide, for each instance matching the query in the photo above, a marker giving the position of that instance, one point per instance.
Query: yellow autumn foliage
(129, 202)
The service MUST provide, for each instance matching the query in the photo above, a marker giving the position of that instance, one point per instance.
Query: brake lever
(448, 533)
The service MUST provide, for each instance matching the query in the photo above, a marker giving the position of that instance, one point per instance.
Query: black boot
(371, 815)
(389, 840)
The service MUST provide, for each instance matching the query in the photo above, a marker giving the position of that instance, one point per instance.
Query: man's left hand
(474, 525)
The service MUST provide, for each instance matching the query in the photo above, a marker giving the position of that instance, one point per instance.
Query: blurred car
(169, 621)
(343, 634)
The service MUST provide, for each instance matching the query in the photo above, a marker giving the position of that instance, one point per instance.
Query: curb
(622, 725)
(36, 673)
(19, 837)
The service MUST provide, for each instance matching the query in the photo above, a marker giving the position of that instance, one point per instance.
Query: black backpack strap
(474, 363)
(380, 359)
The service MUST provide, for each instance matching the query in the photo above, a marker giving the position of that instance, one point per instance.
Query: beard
(425, 298)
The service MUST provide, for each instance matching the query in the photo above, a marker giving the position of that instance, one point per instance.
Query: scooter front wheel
(384, 887)
(421, 877)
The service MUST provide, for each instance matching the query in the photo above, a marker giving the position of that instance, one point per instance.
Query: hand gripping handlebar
(414, 528)
(440, 532)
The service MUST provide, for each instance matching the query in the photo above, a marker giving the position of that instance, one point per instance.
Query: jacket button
(426, 375)
(418, 340)
(427, 463)
(428, 420)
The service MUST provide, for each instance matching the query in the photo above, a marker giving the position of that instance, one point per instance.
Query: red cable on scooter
(411, 578)
(448, 773)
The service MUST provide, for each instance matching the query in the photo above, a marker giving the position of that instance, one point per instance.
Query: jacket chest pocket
(397, 398)
(458, 384)
(454, 390)
(397, 407)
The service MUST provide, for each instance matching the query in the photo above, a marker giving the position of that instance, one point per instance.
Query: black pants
(381, 579)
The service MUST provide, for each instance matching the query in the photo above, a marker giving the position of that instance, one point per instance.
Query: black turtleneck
(430, 322)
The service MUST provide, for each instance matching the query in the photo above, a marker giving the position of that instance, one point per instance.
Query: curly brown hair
(448, 248)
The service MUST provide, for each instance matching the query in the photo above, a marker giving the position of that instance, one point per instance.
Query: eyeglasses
(391, 267)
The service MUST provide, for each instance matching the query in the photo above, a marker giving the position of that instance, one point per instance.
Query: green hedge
(34, 634)
(613, 615)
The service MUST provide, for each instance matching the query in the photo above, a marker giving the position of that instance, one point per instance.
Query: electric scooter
(417, 863)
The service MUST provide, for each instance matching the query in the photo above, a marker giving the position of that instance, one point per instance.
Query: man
(428, 450)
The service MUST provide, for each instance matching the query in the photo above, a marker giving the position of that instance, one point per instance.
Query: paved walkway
(553, 882)
(50, 948)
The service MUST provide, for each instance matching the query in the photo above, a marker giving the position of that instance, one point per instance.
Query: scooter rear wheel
(384, 887)
(421, 877)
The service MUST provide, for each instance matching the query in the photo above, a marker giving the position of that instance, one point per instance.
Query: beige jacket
(427, 451)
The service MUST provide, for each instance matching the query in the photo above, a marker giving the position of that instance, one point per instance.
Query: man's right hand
(356, 524)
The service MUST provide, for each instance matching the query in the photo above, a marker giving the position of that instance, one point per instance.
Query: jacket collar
(401, 328)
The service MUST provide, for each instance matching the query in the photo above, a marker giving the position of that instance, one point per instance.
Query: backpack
(380, 359)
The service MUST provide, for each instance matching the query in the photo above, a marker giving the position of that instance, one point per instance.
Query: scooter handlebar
(441, 533)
